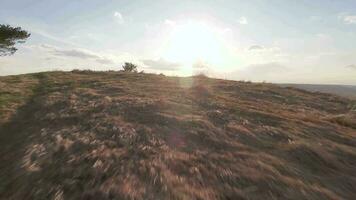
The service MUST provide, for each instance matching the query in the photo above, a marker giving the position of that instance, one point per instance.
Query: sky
(279, 41)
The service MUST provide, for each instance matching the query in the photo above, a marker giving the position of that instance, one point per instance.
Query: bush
(129, 67)
(82, 71)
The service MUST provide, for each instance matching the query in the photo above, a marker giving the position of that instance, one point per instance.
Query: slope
(114, 135)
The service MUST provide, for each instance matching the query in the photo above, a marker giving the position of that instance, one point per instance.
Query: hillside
(114, 135)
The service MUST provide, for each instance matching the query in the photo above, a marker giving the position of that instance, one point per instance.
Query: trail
(15, 135)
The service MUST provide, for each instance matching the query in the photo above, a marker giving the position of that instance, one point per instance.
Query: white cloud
(347, 19)
(45, 34)
(243, 20)
(269, 71)
(75, 53)
(260, 55)
(265, 68)
(257, 54)
(105, 61)
(169, 22)
(255, 47)
(162, 64)
(119, 17)
(350, 19)
(201, 64)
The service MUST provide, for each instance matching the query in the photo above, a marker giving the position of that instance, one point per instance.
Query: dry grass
(111, 135)
(13, 92)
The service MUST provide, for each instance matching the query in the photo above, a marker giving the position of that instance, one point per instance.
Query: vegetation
(79, 135)
(9, 36)
(129, 67)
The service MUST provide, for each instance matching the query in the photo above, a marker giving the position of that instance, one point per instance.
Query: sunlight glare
(193, 42)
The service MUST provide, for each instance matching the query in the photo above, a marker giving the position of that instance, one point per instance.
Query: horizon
(187, 76)
(276, 41)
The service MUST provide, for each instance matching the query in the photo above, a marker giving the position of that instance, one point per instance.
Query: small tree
(129, 67)
(9, 36)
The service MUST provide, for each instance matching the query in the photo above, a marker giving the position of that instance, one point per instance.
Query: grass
(15, 91)
(114, 135)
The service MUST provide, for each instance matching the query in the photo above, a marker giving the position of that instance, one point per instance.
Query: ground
(115, 135)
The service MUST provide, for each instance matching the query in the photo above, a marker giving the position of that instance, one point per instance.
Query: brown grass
(112, 135)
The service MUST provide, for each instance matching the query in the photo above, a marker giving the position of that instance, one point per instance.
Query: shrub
(82, 71)
(129, 67)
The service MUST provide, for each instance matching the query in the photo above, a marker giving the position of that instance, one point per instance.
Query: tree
(9, 36)
(129, 67)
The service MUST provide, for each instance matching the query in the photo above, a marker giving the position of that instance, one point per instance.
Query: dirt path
(14, 136)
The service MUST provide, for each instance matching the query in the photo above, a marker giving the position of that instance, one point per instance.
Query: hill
(348, 91)
(114, 135)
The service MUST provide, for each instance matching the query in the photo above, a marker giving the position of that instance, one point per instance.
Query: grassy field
(114, 135)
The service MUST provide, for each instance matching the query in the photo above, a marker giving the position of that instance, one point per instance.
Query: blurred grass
(107, 135)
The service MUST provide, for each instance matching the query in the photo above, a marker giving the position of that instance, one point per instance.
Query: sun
(193, 42)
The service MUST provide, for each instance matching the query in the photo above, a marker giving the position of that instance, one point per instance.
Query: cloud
(119, 17)
(347, 19)
(267, 68)
(243, 20)
(263, 49)
(351, 66)
(268, 71)
(104, 61)
(76, 53)
(169, 22)
(45, 34)
(201, 65)
(255, 47)
(162, 64)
